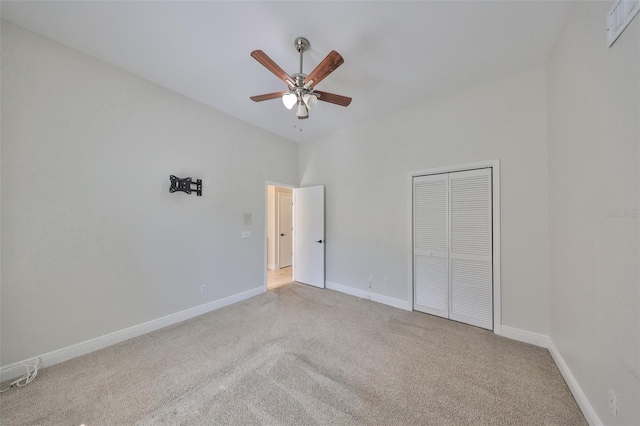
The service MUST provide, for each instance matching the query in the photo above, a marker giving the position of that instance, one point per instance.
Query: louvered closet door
(470, 255)
(430, 245)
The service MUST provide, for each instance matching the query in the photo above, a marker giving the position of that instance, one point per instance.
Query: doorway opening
(279, 236)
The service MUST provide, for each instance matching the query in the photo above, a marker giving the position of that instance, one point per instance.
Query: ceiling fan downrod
(302, 92)
(301, 44)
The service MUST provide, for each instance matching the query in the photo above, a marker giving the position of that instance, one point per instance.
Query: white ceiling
(397, 54)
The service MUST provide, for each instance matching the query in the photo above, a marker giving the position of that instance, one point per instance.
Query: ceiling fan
(302, 93)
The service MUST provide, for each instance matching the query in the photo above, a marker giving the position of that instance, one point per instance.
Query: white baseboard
(536, 339)
(582, 400)
(545, 342)
(271, 266)
(525, 336)
(386, 300)
(16, 370)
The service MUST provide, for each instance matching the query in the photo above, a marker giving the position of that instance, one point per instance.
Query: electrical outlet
(613, 402)
(386, 280)
(370, 280)
(203, 288)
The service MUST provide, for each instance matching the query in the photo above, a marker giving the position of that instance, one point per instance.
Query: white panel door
(470, 255)
(285, 229)
(308, 235)
(430, 244)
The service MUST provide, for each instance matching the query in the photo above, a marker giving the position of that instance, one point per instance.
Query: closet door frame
(495, 171)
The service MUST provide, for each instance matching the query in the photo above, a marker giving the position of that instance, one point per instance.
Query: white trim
(497, 280)
(272, 266)
(580, 397)
(410, 238)
(525, 336)
(455, 168)
(375, 297)
(266, 224)
(545, 342)
(495, 166)
(15, 370)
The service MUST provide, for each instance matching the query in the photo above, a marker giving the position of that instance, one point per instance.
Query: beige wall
(92, 241)
(594, 114)
(365, 170)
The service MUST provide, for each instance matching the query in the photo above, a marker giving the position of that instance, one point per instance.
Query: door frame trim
(268, 183)
(495, 166)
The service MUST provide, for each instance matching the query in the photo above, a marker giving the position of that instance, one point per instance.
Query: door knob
(319, 241)
(282, 235)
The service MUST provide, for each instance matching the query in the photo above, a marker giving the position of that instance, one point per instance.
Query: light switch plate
(246, 234)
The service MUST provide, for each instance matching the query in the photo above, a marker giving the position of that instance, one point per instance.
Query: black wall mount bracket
(184, 185)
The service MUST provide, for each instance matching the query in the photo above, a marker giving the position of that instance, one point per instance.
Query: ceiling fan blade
(333, 98)
(324, 68)
(268, 63)
(267, 96)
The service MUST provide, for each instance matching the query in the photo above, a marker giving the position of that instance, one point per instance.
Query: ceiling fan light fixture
(289, 100)
(310, 100)
(301, 110)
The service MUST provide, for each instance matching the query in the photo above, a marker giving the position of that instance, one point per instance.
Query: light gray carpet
(299, 356)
